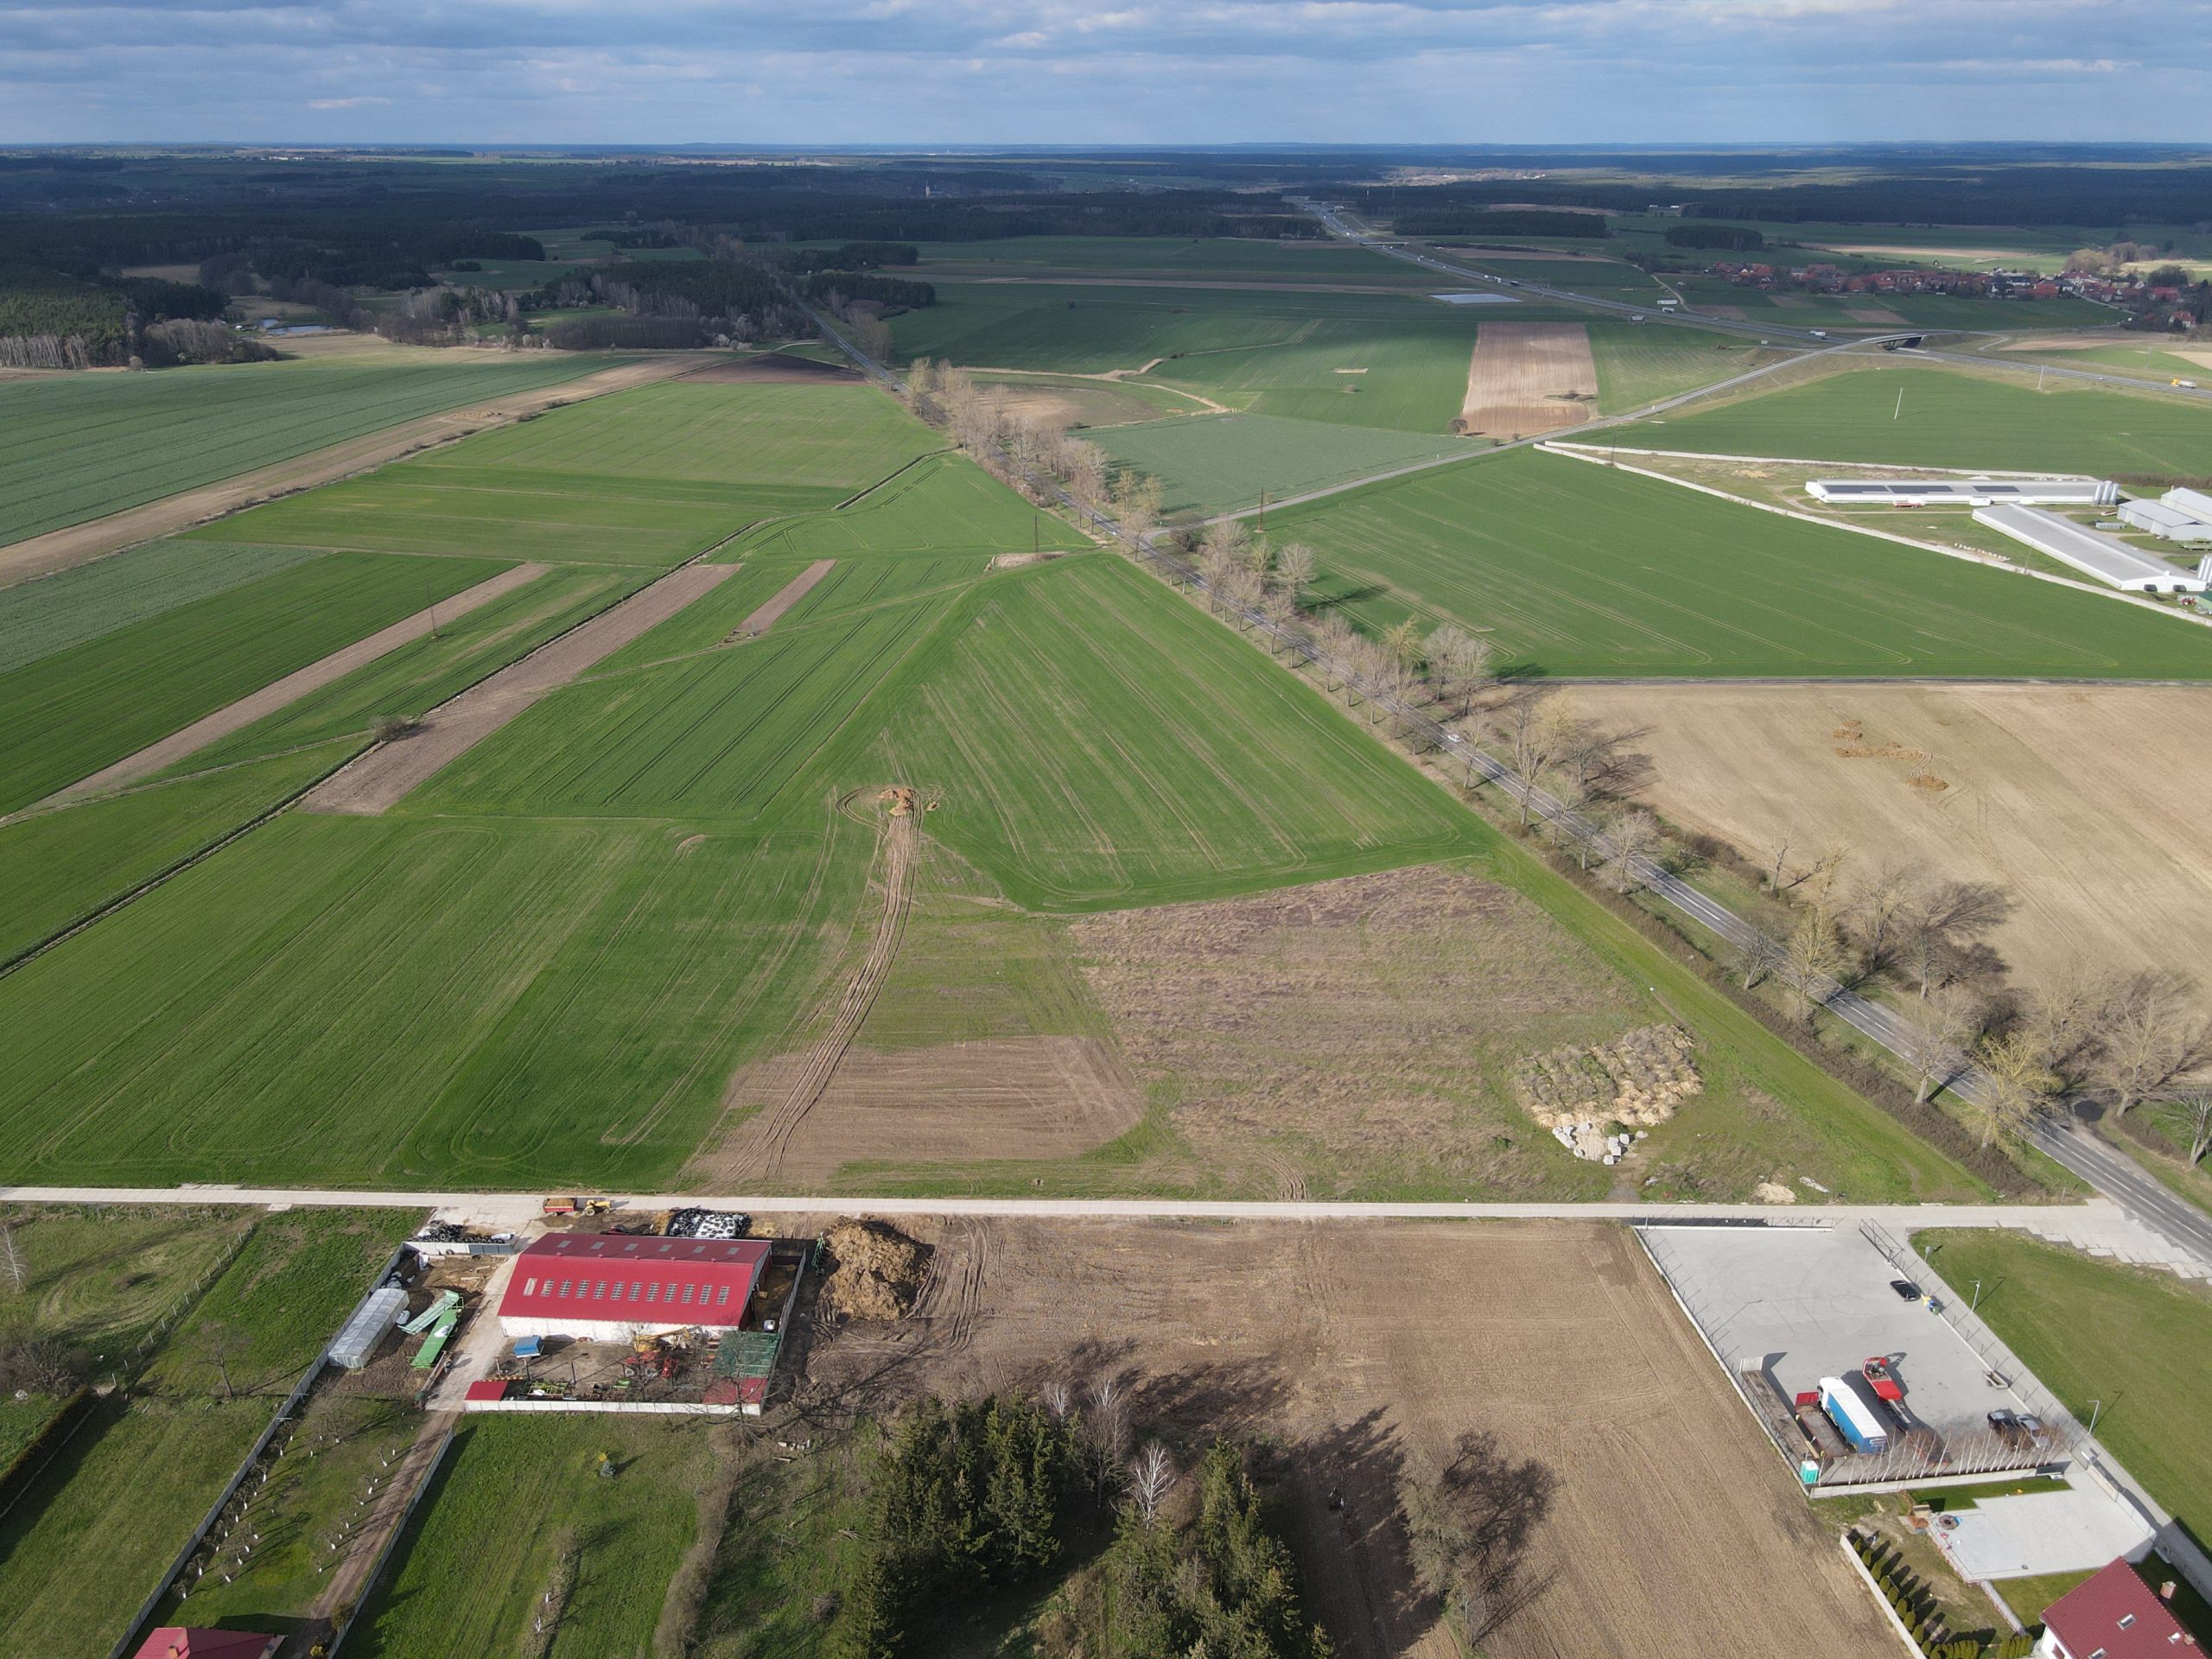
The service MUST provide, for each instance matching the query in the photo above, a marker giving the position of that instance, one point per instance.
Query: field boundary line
(891, 477)
(108, 907)
(1971, 555)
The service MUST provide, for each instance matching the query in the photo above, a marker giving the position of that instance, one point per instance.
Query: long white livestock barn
(2105, 557)
(1963, 491)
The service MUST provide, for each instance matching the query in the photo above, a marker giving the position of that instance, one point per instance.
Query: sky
(1139, 71)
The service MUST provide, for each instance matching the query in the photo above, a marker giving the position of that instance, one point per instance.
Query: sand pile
(877, 1272)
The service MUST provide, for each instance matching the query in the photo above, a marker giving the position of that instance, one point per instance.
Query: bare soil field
(2070, 797)
(1525, 378)
(774, 368)
(155, 757)
(1354, 1032)
(59, 549)
(1643, 1511)
(382, 778)
(789, 594)
(1870, 314)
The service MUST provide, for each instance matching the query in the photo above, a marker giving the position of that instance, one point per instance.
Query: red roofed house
(175, 1642)
(609, 1287)
(2114, 1615)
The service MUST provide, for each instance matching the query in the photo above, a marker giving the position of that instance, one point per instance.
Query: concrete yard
(2073, 1529)
(1803, 1303)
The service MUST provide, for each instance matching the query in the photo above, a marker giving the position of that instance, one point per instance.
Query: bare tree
(2151, 1038)
(1814, 955)
(2192, 1114)
(1634, 836)
(1780, 850)
(220, 1343)
(1881, 899)
(2015, 1083)
(1137, 501)
(1533, 733)
(1059, 1401)
(1403, 643)
(1151, 1477)
(1225, 539)
(1820, 879)
(1933, 933)
(1109, 1421)
(921, 377)
(1295, 568)
(1936, 1044)
(1757, 957)
(2068, 1018)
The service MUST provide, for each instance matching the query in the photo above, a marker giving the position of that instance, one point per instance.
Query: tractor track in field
(759, 1146)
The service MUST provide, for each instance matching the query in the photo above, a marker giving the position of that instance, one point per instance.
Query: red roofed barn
(175, 1641)
(608, 1287)
(2114, 1615)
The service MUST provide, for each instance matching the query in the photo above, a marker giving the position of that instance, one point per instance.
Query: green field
(2139, 1341)
(1809, 309)
(1579, 571)
(102, 1279)
(1093, 741)
(1639, 364)
(646, 477)
(74, 447)
(942, 504)
(85, 601)
(1212, 463)
(1950, 418)
(391, 1001)
(514, 1496)
(1218, 258)
(419, 676)
(95, 1531)
(71, 712)
(57, 867)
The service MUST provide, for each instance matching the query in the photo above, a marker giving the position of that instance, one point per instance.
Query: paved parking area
(2070, 1530)
(1802, 1303)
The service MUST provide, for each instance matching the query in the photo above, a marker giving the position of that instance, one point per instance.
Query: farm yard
(1576, 571)
(2060, 796)
(76, 447)
(1948, 417)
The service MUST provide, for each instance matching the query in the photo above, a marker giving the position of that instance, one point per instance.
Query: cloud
(1095, 71)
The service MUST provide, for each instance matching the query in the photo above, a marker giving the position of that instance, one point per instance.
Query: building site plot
(1527, 378)
(1916, 414)
(1578, 571)
(74, 711)
(1549, 1361)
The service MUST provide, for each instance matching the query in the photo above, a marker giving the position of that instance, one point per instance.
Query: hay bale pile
(878, 1271)
(1635, 1082)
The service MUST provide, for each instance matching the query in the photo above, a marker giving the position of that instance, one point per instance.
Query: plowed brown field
(1526, 377)
(1662, 1525)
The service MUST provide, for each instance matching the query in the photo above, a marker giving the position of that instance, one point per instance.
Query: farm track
(390, 772)
(759, 1146)
(788, 595)
(279, 694)
(349, 1582)
(57, 549)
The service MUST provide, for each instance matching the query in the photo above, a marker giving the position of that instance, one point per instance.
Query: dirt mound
(1637, 1080)
(879, 1271)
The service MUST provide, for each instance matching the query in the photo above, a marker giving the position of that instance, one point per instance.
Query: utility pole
(1975, 1306)
(1899, 410)
(2095, 1408)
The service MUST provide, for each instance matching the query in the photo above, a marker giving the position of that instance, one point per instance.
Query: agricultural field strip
(380, 778)
(39, 618)
(236, 716)
(321, 463)
(1971, 555)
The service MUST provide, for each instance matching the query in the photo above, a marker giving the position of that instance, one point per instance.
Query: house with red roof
(177, 1642)
(2113, 1615)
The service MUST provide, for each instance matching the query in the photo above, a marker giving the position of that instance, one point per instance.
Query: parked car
(1906, 1290)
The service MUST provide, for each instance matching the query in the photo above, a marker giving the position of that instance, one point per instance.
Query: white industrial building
(2178, 516)
(1963, 491)
(2105, 557)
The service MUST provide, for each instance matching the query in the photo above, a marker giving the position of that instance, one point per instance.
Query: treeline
(972, 1499)
(1476, 221)
(52, 320)
(1740, 238)
(852, 255)
(871, 287)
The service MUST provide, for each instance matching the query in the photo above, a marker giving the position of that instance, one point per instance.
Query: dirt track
(278, 693)
(382, 777)
(795, 1082)
(788, 595)
(1661, 1524)
(59, 549)
(2071, 797)
(1526, 377)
